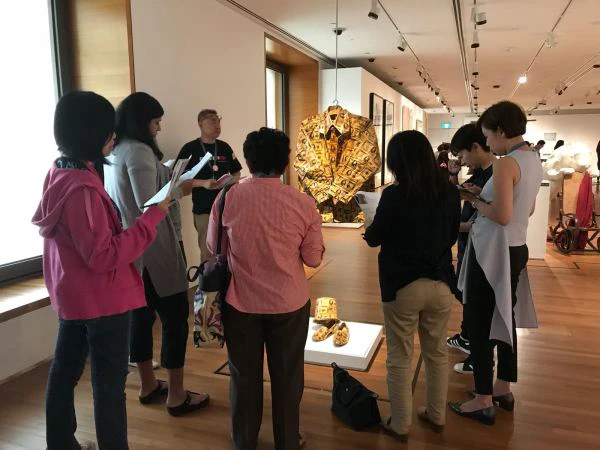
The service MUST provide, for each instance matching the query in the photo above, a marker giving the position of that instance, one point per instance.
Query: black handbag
(352, 402)
(213, 274)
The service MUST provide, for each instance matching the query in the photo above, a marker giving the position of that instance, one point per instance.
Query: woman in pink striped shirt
(270, 231)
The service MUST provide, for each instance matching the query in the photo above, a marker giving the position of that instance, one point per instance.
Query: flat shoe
(325, 331)
(386, 425)
(342, 335)
(161, 390)
(422, 414)
(506, 402)
(187, 406)
(487, 416)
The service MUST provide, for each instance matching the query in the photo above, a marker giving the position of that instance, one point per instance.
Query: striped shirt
(269, 231)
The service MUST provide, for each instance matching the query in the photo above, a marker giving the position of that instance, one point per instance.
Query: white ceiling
(514, 32)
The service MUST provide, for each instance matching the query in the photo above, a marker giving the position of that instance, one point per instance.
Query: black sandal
(187, 406)
(161, 390)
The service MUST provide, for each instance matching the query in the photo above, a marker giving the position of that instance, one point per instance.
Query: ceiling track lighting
(475, 43)
(480, 19)
(550, 40)
(374, 12)
(431, 84)
(522, 79)
(401, 43)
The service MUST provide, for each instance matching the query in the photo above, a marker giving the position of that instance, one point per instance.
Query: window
(28, 89)
(275, 89)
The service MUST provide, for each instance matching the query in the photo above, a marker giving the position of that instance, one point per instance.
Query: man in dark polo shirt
(469, 144)
(223, 162)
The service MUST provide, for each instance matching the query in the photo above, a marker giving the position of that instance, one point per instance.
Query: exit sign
(446, 125)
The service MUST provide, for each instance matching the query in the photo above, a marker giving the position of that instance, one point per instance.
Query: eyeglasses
(213, 119)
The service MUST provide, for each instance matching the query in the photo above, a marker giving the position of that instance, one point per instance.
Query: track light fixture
(401, 43)
(481, 19)
(550, 40)
(374, 12)
(523, 79)
(475, 43)
(478, 18)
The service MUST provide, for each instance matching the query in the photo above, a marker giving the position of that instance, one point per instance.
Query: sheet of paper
(191, 174)
(178, 177)
(368, 202)
(167, 189)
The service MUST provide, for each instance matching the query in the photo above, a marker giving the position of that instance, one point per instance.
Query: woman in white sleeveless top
(495, 286)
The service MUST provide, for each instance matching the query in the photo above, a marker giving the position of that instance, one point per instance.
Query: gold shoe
(326, 310)
(325, 331)
(342, 335)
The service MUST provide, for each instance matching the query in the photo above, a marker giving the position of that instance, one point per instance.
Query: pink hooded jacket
(88, 258)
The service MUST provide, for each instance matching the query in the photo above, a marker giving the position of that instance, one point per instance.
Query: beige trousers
(201, 225)
(423, 305)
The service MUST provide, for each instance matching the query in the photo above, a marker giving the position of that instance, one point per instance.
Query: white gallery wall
(190, 55)
(574, 129)
(355, 86)
(27, 341)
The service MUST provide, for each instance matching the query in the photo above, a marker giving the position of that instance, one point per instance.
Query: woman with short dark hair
(89, 273)
(416, 225)
(134, 176)
(495, 260)
(270, 231)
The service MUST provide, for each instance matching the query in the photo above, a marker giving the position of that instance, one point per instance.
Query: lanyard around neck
(215, 167)
(517, 146)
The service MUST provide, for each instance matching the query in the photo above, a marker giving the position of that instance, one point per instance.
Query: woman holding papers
(416, 225)
(89, 273)
(134, 176)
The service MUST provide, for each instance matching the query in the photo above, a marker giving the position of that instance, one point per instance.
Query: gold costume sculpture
(337, 155)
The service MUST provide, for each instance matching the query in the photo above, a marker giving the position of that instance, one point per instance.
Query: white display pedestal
(356, 354)
(537, 230)
(342, 225)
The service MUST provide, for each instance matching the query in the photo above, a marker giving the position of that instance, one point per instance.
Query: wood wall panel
(101, 46)
(303, 91)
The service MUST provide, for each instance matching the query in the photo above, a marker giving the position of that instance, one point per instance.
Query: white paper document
(368, 202)
(177, 178)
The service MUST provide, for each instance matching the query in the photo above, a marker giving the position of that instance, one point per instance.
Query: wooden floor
(557, 396)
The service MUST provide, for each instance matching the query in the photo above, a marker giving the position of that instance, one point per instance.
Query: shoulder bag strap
(221, 209)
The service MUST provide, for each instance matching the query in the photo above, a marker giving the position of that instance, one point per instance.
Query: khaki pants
(201, 225)
(424, 305)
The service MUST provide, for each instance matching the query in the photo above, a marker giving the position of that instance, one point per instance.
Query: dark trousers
(284, 336)
(107, 341)
(479, 312)
(462, 244)
(173, 312)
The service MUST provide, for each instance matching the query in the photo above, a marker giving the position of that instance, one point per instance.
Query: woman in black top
(416, 225)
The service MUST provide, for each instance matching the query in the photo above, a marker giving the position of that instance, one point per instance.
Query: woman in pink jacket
(89, 273)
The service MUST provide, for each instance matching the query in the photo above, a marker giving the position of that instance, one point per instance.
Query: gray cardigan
(134, 176)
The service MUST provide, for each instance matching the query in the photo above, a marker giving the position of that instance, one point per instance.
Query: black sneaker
(459, 343)
(465, 367)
